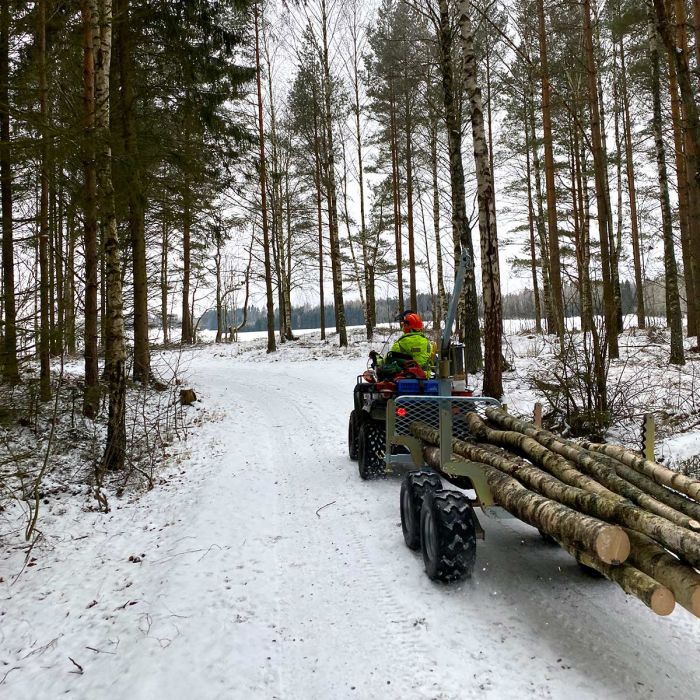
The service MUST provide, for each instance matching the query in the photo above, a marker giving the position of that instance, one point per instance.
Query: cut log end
(692, 602)
(694, 525)
(612, 545)
(662, 601)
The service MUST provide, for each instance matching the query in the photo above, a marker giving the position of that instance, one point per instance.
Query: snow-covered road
(272, 571)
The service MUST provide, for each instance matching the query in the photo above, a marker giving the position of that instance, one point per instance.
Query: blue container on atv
(407, 386)
(431, 387)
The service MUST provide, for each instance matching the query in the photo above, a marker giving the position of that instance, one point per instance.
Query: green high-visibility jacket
(418, 347)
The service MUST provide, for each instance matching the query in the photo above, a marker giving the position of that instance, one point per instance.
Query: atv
(399, 375)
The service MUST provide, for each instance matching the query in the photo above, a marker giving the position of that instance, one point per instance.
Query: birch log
(655, 561)
(656, 472)
(608, 542)
(595, 468)
(653, 594)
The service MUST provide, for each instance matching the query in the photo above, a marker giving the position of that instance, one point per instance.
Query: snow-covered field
(263, 567)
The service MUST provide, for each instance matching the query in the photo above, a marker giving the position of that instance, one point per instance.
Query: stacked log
(634, 521)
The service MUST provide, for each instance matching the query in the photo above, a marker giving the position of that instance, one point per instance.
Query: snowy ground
(264, 568)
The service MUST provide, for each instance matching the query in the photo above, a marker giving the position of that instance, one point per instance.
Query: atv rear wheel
(448, 536)
(370, 449)
(353, 434)
(414, 487)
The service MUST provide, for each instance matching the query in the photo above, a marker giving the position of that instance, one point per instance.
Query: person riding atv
(412, 344)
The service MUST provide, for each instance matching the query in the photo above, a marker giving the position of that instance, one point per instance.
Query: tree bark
(540, 222)
(632, 581)
(461, 231)
(656, 472)
(165, 246)
(10, 368)
(396, 196)
(135, 193)
(319, 217)
(187, 330)
(608, 542)
(115, 351)
(673, 307)
(602, 194)
(91, 396)
(413, 293)
(531, 225)
(692, 129)
(682, 184)
(44, 282)
(601, 472)
(655, 561)
(632, 192)
(356, 59)
(336, 269)
(490, 268)
(442, 296)
(556, 296)
(271, 345)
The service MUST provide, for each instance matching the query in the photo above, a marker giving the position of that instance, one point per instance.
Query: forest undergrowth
(50, 453)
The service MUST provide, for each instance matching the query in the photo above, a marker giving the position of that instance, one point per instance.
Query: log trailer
(619, 514)
(440, 522)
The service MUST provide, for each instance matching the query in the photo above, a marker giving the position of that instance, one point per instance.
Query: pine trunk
(319, 218)
(605, 475)
(442, 296)
(369, 294)
(682, 184)
(540, 222)
(677, 47)
(44, 282)
(602, 194)
(656, 472)
(531, 225)
(336, 269)
(674, 317)
(556, 296)
(632, 193)
(396, 197)
(271, 345)
(91, 397)
(10, 369)
(135, 194)
(413, 293)
(186, 334)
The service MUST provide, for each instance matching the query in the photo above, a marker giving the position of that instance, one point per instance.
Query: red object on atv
(386, 389)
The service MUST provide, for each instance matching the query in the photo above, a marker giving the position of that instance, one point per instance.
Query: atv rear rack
(445, 414)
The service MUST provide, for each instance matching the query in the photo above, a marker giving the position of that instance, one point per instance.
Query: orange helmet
(412, 322)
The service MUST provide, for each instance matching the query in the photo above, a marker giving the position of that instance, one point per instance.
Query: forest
(172, 166)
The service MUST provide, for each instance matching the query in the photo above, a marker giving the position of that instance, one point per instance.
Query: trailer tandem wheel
(414, 487)
(448, 536)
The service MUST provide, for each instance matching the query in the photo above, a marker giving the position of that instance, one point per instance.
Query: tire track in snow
(385, 622)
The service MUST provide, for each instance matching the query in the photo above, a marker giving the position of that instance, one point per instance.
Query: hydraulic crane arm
(465, 263)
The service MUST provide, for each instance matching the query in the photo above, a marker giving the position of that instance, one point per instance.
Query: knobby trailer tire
(414, 487)
(448, 536)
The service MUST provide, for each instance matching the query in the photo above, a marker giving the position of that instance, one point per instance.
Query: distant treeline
(517, 305)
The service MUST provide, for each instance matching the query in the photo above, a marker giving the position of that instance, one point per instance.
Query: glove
(373, 355)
